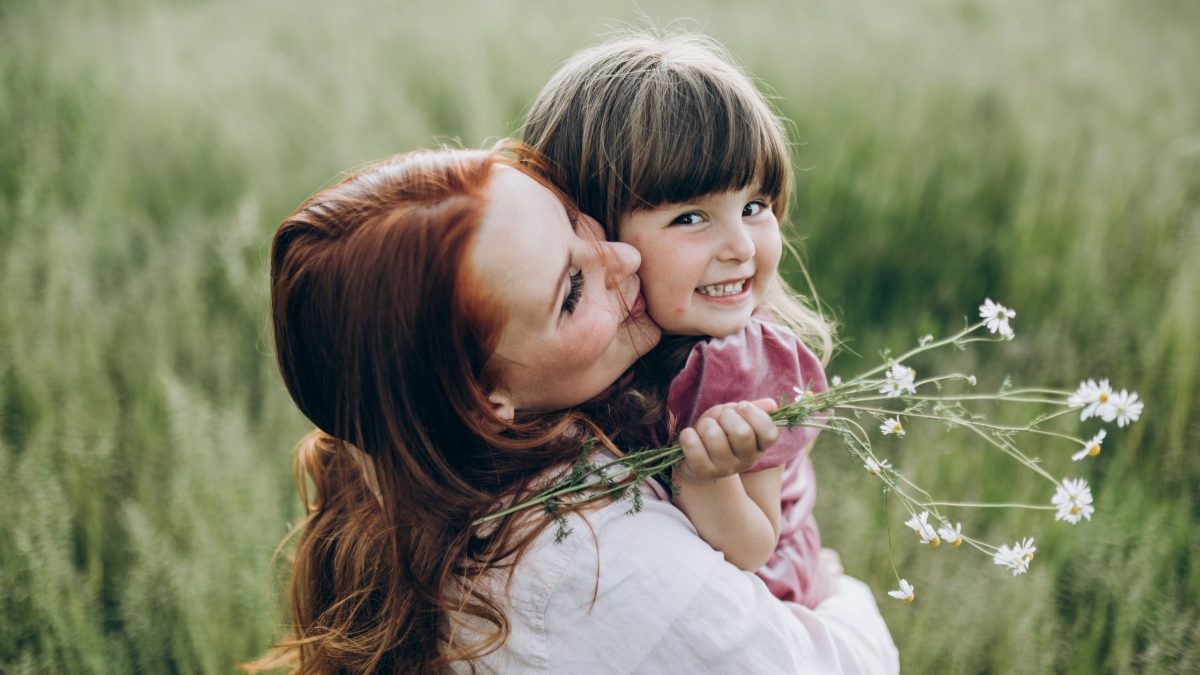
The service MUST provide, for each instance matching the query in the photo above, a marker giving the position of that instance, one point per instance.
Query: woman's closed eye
(574, 292)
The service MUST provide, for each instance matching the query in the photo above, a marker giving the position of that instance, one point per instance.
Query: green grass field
(1044, 154)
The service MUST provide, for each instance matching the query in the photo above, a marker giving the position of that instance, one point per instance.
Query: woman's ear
(502, 404)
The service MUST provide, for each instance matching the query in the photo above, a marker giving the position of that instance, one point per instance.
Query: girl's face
(706, 264)
(575, 316)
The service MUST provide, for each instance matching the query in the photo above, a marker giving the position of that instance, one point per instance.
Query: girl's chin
(712, 324)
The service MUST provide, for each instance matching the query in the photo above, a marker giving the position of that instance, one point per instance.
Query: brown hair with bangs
(383, 339)
(643, 120)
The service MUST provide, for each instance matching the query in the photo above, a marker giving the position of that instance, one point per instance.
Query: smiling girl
(672, 147)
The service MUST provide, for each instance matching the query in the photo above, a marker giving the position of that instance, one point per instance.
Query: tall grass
(1044, 154)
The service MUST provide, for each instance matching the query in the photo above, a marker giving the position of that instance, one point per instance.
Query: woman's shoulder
(642, 592)
(613, 573)
(635, 541)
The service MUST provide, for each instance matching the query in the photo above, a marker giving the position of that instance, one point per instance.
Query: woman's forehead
(523, 244)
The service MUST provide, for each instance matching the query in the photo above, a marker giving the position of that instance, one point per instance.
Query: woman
(435, 315)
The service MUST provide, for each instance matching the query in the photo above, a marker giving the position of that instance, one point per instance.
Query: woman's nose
(737, 246)
(620, 262)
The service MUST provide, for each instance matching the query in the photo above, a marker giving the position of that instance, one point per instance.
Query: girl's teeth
(718, 290)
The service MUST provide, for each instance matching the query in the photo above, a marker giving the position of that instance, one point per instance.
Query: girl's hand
(726, 440)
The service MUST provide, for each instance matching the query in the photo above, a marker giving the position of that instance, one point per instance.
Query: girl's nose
(738, 246)
(620, 262)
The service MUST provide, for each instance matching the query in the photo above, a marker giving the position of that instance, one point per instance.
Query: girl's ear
(502, 404)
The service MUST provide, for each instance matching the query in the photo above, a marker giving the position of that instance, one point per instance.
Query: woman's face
(575, 316)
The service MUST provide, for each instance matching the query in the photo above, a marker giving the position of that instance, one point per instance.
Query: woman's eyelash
(574, 292)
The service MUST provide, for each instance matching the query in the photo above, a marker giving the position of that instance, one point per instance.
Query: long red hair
(383, 340)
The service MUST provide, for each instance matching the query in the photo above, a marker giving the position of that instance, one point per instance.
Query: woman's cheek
(592, 335)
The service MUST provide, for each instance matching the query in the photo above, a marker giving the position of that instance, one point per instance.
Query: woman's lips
(637, 309)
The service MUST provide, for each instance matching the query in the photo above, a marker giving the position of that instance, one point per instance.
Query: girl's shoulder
(763, 360)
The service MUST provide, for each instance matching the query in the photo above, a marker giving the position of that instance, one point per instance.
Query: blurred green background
(1044, 154)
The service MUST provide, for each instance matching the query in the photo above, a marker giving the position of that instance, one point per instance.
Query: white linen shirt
(643, 593)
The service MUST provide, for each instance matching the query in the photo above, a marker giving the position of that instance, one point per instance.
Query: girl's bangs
(699, 138)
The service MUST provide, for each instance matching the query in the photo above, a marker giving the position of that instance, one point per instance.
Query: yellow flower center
(1103, 397)
(956, 543)
(910, 597)
(933, 543)
(1074, 510)
(1094, 450)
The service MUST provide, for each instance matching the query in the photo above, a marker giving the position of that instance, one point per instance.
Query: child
(670, 145)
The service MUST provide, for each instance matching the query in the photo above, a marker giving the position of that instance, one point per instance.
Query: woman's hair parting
(642, 120)
(383, 339)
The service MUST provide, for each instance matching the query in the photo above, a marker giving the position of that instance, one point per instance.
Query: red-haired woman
(439, 316)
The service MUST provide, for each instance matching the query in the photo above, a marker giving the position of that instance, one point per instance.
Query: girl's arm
(729, 514)
(737, 515)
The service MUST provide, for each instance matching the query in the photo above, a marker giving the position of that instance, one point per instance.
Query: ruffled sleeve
(764, 360)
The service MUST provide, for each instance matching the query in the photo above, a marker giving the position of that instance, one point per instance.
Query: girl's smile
(727, 291)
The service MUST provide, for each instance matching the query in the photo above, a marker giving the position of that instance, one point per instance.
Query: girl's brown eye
(688, 219)
(753, 208)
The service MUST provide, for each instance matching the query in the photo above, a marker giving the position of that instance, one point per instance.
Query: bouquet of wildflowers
(886, 397)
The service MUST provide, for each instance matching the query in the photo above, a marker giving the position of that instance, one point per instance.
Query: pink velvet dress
(765, 360)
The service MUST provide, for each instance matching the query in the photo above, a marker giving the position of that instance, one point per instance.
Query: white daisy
(900, 378)
(921, 527)
(835, 381)
(906, 592)
(1093, 398)
(997, 317)
(892, 426)
(1074, 501)
(1016, 558)
(952, 537)
(874, 467)
(1091, 448)
(1124, 407)
(1024, 551)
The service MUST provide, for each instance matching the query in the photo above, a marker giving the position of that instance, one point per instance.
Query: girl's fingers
(760, 420)
(696, 464)
(727, 439)
(715, 411)
(766, 404)
(742, 438)
(717, 445)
